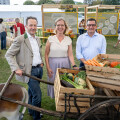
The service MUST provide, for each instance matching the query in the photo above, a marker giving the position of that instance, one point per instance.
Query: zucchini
(73, 83)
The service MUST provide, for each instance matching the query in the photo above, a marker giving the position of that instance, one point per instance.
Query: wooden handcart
(71, 102)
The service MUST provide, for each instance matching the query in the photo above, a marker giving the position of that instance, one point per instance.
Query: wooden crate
(59, 90)
(109, 92)
(105, 77)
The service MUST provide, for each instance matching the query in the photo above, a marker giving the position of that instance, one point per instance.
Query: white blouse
(57, 48)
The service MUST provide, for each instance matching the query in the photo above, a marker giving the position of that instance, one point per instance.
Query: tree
(97, 2)
(28, 2)
(45, 1)
(80, 9)
(111, 2)
(67, 2)
(88, 2)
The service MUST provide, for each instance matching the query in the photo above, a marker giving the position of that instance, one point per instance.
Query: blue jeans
(3, 40)
(34, 92)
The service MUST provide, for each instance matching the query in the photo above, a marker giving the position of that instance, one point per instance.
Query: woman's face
(60, 27)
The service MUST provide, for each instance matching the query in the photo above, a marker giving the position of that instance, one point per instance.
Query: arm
(15, 28)
(11, 54)
(79, 49)
(6, 31)
(47, 50)
(71, 57)
(24, 28)
(80, 24)
(103, 49)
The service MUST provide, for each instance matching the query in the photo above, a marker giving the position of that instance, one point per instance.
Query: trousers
(34, 92)
(3, 40)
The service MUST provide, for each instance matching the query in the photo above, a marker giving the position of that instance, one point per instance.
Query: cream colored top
(2, 28)
(57, 48)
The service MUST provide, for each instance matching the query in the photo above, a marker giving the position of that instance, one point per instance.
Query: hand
(19, 72)
(50, 73)
(76, 68)
(42, 65)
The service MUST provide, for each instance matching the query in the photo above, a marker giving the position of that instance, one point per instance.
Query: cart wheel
(98, 106)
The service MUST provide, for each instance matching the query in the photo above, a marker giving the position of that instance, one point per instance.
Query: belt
(36, 66)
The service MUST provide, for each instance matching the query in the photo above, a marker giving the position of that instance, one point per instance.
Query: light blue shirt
(88, 47)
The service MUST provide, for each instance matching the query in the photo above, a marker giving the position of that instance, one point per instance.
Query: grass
(47, 102)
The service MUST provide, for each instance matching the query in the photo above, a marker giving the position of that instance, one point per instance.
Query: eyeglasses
(60, 25)
(93, 25)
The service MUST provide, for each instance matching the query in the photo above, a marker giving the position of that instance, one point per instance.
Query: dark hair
(1, 20)
(91, 19)
(30, 17)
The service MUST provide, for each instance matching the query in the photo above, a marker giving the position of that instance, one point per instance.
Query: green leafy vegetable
(118, 66)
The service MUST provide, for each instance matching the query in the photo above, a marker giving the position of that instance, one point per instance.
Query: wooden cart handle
(6, 84)
(35, 78)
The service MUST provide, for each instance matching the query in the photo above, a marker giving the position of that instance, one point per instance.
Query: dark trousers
(81, 64)
(81, 31)
(34, 92)
(3, 40)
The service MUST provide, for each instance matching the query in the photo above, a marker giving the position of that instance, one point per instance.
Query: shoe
(5, 49)
(30, 114)
(41, 115)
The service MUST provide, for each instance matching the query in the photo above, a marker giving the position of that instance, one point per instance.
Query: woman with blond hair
(58, 52)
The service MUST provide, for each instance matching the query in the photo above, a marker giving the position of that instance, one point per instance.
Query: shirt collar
(29, 36)
(95, 34)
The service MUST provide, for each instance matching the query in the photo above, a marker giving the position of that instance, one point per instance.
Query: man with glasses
(90, 44)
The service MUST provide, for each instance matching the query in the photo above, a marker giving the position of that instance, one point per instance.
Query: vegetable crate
(59, 90)
(105, 77)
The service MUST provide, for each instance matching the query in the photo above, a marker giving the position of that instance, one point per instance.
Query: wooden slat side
(102, 85)
(62, 102)
(103, 75)
(102, 69)
(90, 86)
(62, 97)
(109, 92)
(105, 81)
(114, 56)
(68, 71)
(73, 109)
(75, 91)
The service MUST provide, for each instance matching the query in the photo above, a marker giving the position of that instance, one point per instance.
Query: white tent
(23, 11)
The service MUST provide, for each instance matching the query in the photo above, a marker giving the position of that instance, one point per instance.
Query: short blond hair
(65, 23)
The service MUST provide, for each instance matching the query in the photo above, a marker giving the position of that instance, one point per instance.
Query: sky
(20, 2)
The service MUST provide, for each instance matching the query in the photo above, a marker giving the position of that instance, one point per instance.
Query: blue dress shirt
(88, 47)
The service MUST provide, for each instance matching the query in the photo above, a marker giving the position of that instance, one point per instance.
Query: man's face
(31, 26)
(91, 27)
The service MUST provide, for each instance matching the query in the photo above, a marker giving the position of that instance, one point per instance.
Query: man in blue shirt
(90, 44)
